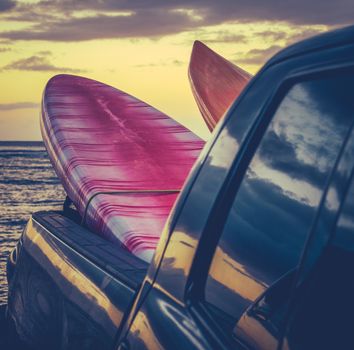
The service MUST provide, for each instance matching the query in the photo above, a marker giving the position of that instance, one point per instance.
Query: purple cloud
(55, 20)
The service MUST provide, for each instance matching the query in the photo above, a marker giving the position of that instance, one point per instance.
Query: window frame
(196, 284)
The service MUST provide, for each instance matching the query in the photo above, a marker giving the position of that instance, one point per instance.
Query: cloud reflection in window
(282, 188)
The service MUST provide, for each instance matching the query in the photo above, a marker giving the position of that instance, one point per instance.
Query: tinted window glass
(278, 198)
(324, 314)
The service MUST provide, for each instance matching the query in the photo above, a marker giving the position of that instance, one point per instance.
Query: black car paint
(165, 309)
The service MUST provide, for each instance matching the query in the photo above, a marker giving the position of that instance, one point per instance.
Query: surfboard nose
(215, 82)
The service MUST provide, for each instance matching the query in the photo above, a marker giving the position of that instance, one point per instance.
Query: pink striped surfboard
(121, 161)
(215, 82)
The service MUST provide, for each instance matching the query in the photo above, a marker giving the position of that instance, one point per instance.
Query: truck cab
(258, 250)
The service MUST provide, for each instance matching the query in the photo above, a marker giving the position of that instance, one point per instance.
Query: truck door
(246, 292)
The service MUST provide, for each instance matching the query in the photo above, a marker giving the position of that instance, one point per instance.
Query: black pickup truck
(258, 252)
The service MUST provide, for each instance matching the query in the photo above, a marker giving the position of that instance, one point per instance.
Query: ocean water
(27, 184)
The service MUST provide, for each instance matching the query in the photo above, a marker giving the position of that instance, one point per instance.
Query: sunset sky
(141, 47)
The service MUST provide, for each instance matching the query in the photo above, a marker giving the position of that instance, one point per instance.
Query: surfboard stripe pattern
(102, 140)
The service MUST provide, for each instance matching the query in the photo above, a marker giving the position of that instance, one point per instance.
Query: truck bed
(117, 261)
(72, 282)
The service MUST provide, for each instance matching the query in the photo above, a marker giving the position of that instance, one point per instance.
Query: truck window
(276, 203)
(324, 309)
